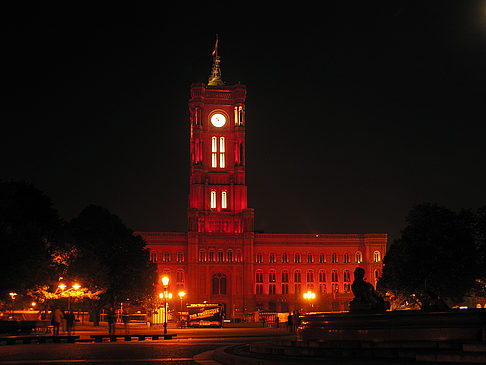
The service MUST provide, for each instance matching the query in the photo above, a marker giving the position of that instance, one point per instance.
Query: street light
(181, 295)
(13, 295)
(309, 296)
(165, 282)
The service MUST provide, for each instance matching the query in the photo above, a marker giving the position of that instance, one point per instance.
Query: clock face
(218, 120)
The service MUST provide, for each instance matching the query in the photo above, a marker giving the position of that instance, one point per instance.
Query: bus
(205, 315)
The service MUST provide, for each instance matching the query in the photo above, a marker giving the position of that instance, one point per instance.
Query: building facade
(220, 259)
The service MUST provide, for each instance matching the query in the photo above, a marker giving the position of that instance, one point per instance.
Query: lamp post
(165, 283)
(181, 295)
(13, 295)
(309, 296)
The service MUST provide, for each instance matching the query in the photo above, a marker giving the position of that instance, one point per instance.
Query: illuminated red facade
(220, 258)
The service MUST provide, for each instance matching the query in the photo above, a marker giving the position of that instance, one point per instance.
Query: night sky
(353, 115)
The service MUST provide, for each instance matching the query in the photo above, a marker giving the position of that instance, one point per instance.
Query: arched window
(272, 276)
(180, 276)
(259, 276)
(180, 256)
(376, 256)
(229, 256)
(334, 276)
(219, 284)
(214, 152)
(322, 276)
(347, 281)
(166, 256)
(202, 256)
(221, 153)
(224, 203)
(285, 259)
(259, 258)
(213, 199)
(346, 258)
(153, 256)
(297, 276)
(271, 258)
(220, 256)
(297, 258)
(285, 276)
(334, 258)
(359, 257)
(238, 257)
(310, 276)
(322, 258)
(310, 259)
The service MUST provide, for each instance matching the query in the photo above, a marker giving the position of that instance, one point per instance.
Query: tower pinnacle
(215, 78)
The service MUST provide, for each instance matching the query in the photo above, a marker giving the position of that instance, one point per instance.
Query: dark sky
(354, 114)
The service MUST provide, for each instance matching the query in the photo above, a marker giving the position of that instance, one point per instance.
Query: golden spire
(215, 78)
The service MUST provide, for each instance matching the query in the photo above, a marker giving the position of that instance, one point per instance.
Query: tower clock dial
(218, 120)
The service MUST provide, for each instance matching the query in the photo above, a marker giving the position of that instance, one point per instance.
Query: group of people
(58, 316)
(293, 321)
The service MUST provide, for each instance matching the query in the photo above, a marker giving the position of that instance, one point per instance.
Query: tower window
(221, 153)
(214, 152)
(213, 199)
(359, 257)
(224, 204)
(377, 256)
(219, 284)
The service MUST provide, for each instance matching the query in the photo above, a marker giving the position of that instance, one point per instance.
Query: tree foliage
(435, 257)
(109, 256)
(28, 227)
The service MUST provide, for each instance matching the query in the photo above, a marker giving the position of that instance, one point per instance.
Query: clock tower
(220, 233)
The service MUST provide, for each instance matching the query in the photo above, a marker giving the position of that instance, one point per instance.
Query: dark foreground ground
(180, 350)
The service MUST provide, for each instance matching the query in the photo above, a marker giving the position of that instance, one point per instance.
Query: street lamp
(13, 295)
(165, 283)
(181, 295)
(309, 296)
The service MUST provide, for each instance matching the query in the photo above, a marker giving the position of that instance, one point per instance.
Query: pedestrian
(263, 321)
(111, 318)
(290, 323)
(277, 321)
(125, 319)
(56, 319)
(296, 319)
(70, 318)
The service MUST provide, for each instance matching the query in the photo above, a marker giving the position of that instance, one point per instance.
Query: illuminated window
(238, 256)
(259, 258)
(346, 258)
(221, 153)
(180, 257)
(211, 256)
(166, 257)
(359, 257)
(213, 199)
(224, 203)
(347, 281)
(214, 152)
(377, 256)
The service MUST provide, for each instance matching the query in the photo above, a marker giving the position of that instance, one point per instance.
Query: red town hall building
(221, 259)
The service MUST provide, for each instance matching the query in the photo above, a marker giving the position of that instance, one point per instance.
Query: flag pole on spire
(215, 77)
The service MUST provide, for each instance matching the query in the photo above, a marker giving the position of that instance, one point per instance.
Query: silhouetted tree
(109, 257)
(28, 226)
(435, 257)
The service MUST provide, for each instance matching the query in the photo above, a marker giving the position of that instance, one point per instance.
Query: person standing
(125, 319)
(290, 323)
(70, 318)
(111, 318)
(57, 317)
